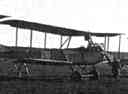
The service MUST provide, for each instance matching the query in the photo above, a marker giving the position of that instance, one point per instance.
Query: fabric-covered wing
(44, 28)
(53, 29)
(3, 16)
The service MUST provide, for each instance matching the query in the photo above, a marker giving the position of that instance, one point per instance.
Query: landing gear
(76, 76)
(19, 68)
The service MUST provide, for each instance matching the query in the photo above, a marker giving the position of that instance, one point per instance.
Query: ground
(103, 86)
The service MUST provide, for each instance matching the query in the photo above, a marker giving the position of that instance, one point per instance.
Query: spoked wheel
(76, 76)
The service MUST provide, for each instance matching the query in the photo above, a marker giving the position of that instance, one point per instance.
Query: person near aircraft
(115, 68)
(94, 74)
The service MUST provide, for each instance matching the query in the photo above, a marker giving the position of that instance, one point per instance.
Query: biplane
(52, 63)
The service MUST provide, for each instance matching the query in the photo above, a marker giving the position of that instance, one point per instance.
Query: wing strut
(31, 37)
(108, 44)
(45, 39)
(16, 41)
(119, 46)
(105, 41)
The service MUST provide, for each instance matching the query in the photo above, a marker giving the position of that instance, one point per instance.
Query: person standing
(94, 73)
(115, 68)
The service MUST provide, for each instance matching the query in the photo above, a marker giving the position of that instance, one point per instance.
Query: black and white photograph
(63, 47)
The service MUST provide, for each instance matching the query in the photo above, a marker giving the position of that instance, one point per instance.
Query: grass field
(106, 86)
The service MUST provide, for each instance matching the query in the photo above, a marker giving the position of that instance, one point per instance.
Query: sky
(93, 15)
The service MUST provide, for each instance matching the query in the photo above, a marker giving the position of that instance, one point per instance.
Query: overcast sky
(92, 15)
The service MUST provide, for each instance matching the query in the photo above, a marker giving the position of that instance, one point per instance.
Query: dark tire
(76, 76)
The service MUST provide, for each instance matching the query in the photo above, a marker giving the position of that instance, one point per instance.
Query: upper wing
(53, 29)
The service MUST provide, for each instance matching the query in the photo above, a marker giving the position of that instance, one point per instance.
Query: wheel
(75, 76)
